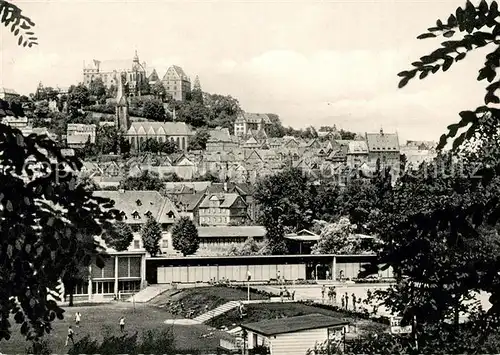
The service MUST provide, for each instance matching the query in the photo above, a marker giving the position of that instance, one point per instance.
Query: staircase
(148, 293)
(226, 307)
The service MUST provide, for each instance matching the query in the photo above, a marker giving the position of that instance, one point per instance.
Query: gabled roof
(140, 202)
(357, 147)
(271, 327)
(7, 91)
(227, 200)
(382, 142)
(170, 128)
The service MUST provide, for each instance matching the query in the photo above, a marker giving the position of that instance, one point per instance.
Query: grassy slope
(258, 312)
(203, 299)
(97, 321)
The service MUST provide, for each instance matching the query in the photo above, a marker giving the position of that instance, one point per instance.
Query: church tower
(122, 118)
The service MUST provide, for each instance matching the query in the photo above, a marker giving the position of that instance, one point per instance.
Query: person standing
(78, 317)
(346, 301)
(278, 276)
(122, 324)
(70, 336)
(353, 302)
(328, 274)
(323, 289)
(334, 296)
(342, 300)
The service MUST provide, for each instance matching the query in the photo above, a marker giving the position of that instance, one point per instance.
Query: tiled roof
(196, 185)
(271, 327)
(357, 147)
(232, 231)
(141, 202)
(382, 142)
(191, 201)
(221, 135)
(240, 188)
(159, 128)
(228, 199)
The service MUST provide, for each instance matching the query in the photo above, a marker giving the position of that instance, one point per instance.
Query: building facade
(8, 94)
(177, 132)
(222, 209)
(246, 122)
(176, 83)
(109, 70)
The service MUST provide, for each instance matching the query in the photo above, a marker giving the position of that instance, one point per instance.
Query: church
(138, 132)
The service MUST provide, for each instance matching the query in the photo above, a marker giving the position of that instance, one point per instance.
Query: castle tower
(122, 118)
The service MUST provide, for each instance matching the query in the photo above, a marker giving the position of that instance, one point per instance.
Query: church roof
(170, 128)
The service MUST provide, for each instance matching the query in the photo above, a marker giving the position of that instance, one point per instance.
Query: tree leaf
(449, 34)
(403, 83)
(426, 35)
(447, 63)
(423, 74)
(460, 56)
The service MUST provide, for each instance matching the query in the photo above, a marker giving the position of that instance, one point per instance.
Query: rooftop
(293, 324)
(232, 231)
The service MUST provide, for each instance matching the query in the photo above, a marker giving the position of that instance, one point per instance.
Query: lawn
(259, 312)
(198, 300)
(102, 320)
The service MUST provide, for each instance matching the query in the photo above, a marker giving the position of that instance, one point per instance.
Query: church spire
(136, 57)
(122, 118)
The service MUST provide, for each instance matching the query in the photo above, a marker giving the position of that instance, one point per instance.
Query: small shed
(295, 335)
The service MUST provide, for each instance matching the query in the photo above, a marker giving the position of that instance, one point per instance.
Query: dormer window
(138, 202)
(136, 215)
(170, 214)
(148, 214)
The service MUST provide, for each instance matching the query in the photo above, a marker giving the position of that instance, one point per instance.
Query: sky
(311, 62)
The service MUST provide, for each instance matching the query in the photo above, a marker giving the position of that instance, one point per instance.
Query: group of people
(344, 299)
(284, 293)
(78, 318)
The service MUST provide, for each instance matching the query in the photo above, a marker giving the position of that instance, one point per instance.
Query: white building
(296, 335)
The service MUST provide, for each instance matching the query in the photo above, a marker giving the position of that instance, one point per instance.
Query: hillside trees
(154, 110)
(151, 236)
(185, 236)
(147, 180)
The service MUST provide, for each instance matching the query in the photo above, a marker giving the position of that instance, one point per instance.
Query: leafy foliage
(339, 238)
(154, 110)
(21, 26)
(119, 237)
(147, 180)
(151, 342)
(480, 28)
(185, 236)
(151, 236)
(199, 140)
(35, 258)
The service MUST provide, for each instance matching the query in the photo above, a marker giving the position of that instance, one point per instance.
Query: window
(138, 202)
(129, 286)
(164, 243)
(137, 244)
(136, 215)
(148, 214)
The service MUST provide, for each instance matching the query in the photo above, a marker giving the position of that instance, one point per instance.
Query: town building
(222, 209)
(122, 120)
(221, 140)
(16, 122)
(246, 122)
(137, 206)
(220, 236)
(8, 94)
(176, 83)
(108, 71)
(177, 132)
(357, 153)
(384, 147)
(78, 134)
(296, 335)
